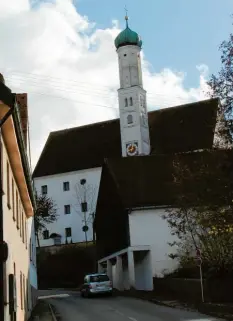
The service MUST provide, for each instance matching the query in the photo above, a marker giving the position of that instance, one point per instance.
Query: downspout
(1, 242)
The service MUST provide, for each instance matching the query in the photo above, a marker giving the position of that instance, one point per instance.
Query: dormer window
(126, 102)
(130, 119)
(131, 101)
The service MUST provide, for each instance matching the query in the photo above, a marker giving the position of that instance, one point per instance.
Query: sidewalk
(41, 312)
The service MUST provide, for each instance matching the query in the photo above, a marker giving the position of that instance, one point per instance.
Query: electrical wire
(82, 89)
(83, 85)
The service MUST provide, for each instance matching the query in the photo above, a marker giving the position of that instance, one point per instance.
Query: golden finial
(126, 16)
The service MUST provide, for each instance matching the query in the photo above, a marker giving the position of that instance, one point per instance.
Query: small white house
(147, 255)
(133, 238)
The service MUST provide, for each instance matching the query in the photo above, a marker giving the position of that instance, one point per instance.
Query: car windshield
(99, 278)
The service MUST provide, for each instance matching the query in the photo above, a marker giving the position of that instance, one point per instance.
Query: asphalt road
(70, 306)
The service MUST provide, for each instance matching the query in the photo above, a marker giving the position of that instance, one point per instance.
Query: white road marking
(123, 315)
(119, 312)
(53, 296)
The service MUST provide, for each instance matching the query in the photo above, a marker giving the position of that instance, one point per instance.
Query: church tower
(135, 138)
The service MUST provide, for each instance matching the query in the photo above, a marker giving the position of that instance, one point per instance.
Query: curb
(221, 316)
(52, 313)
(161, 303)
(180, 307)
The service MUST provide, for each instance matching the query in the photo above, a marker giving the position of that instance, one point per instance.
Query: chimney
(23, 110)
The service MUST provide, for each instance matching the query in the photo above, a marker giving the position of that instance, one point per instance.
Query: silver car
(96, 284)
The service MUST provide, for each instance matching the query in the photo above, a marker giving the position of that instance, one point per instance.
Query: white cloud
(69, 68)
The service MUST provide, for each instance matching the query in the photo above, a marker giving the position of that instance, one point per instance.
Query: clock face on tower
(132, 149)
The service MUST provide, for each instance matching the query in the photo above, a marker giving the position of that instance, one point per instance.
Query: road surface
(70, 306)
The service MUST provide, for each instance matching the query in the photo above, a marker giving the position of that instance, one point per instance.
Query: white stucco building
(18, 272)
(157, 236)
(71, 155)
(147, 253)
(67, 192)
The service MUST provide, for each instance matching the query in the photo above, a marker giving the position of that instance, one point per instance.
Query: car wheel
(85, 294)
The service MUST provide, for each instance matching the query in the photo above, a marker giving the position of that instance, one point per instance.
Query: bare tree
(85, 196)
(221, 86)
(202, 215)
(46, 213)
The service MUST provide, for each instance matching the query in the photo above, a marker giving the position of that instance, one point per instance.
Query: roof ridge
(172, 130)
(185, 105)
(84, 126)
(117, 119)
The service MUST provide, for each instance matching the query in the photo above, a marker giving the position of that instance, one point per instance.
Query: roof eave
(22, 148)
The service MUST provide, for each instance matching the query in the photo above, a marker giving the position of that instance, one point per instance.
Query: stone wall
(65, 267)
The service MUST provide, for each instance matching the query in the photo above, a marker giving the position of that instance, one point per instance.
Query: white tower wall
(132, 103)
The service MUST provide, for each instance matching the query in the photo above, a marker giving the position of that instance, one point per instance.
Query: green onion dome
(128, 37)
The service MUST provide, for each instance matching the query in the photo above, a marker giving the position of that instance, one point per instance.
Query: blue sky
(178, 34)
(48, 53)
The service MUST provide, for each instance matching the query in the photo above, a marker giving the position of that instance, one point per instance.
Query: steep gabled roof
(144, 181)
(176, 129)
(13, 136)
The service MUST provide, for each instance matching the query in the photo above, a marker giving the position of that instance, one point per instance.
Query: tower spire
(135, 135)
(126, 17)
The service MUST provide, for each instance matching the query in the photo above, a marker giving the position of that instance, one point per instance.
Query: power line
(59, 86)
(82, 91)
(84, 85)
(83, 102)
(78, 101)
(85, 91)
(49, 77)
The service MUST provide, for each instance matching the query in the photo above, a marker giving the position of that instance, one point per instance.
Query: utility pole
(94, 242)
(199, 261)
(93, 218)
(84, 208)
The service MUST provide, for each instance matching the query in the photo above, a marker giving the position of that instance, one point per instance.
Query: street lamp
(84, 208)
